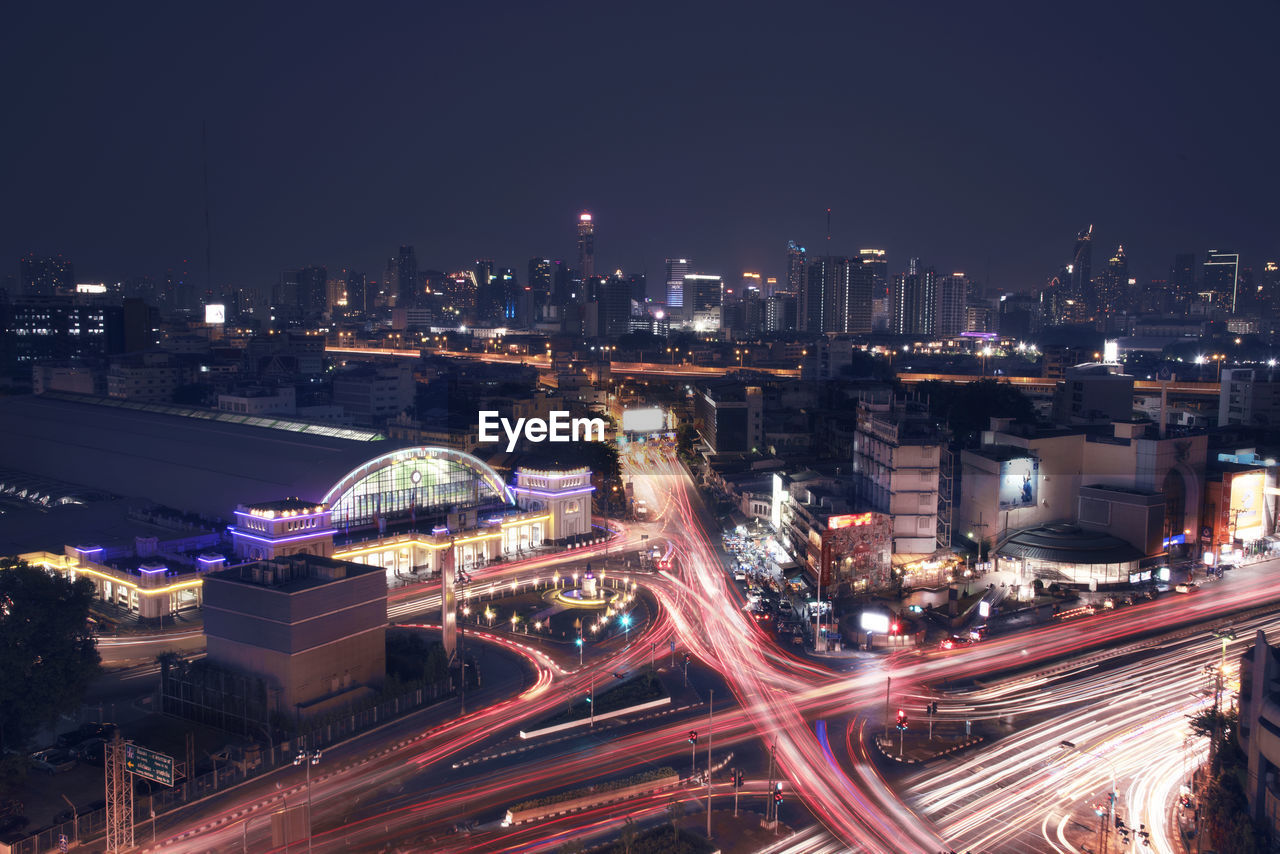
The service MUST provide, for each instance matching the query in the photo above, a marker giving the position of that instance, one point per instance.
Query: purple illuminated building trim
(311, 535)
(439, 529)
(153, 571)
(526, 489)
(218, 559)
(985, 336)
(283, 518)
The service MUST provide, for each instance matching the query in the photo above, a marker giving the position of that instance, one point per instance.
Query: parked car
(92, 750)
(54, 760)
(85, 732)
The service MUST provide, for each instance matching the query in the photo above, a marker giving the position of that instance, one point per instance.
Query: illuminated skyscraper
(677, 269)
(795, 267)
(913, 307)
(1082, 271)
(586, 246)
(1221, 286)
(1113, 284)
(952, 313)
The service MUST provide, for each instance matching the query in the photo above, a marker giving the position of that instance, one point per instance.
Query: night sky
(978, 136)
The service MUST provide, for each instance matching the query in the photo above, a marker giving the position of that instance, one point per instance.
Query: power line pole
(711, 699)
(119, 794)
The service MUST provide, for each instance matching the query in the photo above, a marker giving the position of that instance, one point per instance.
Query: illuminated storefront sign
(848, 520)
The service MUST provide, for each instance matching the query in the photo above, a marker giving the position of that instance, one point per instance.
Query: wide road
(402, 785)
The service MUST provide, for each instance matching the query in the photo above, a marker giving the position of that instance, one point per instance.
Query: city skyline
(338, 162)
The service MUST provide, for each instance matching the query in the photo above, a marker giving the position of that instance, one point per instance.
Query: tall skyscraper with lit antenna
(586, 246)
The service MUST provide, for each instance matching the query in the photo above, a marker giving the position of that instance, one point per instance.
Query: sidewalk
(916, 747)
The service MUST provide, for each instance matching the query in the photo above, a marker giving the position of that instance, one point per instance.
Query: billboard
(650, 420)
(875, 622)
(848, 520)
(1245, 510)
(1018, 482)
(215, 313)
(779, 496)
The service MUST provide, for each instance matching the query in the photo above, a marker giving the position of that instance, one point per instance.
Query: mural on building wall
(856, 550)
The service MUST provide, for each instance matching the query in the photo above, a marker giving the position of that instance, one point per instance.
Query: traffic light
(932, 708)
(693, 736)
(902, 719)
(777, 793)
(737, 779)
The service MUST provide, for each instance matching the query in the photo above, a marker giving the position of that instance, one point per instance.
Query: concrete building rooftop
(190, 463)
(294, 573)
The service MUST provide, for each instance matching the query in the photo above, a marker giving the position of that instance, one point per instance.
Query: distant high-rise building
(795, 267)
(703, 292)
(875, 262)
(46, 277)
(357, 295)
(953, 300)
(1182, 279)
(639, 287)
(586, 245)
(913, 308)
(849, 289)
(815, 296)
(542, 275)
(780, 312)
(750, 282)
(406, 277)
(1113, 285)
(677, 269)
(614, 297)
(484, 271)
(311, 291)
(566, 285)
(1082, 271)
(1221, 280)
(1268, 294)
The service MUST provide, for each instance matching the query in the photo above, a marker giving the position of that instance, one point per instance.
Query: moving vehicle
(1186, 587)
(955, 642)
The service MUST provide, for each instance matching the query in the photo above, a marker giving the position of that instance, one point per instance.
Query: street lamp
(1114, 799)
(307, 758)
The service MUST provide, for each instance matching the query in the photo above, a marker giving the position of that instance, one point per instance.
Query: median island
(636, 692)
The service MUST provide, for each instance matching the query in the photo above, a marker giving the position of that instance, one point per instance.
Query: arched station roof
(433, 477)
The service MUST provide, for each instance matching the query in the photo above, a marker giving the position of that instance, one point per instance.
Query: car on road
(955, 642)
(1186, 587)
(739, 574)
(784, 606)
